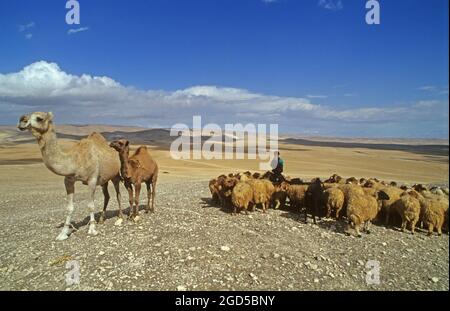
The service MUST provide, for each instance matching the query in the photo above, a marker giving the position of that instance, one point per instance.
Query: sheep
(262, 192)
(241, 197)
(279, 197)
(434, 209)
(225, 190)
(352, 180)
(408, 207)
(296, 181)
(348, 190)
(256, 175)
(313, 198)
(370, 191)
(333, 199)
(393, 194)
(404, 187)
(296, 194)
(334, 179)
(214, 191)
(213, 186)
(362, 209)
(434, 216)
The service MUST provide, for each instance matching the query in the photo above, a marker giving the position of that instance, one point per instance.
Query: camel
(90, 161)
(136, 169)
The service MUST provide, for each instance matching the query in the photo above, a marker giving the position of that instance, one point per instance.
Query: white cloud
(96, 99)
(74, 31)
(333, 5)
(27, 27)
(317, 96)
(22, 28)
(434, 89)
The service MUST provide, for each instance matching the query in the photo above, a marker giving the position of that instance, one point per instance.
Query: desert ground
(188, 244)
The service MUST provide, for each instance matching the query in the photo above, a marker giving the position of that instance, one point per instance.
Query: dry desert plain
(187, 244)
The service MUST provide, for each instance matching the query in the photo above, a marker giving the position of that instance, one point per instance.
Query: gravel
(189, 245)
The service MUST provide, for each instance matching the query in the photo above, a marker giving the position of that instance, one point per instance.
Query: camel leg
(92, 186)
(105, 203)
(116, 183)
(69, 183)
(130, 198)
(137, 192)
(153, 195)
(150, 196)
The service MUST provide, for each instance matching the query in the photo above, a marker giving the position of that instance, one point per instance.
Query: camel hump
(97, 137)
(141, 150)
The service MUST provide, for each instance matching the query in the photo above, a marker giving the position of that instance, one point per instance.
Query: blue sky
(336, 74)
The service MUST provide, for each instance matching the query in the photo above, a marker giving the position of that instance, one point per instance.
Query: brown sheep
(313, 199)
(393, 194)
(241, 197)
(214, 186)
(348, 190)
(135, 170)
(225, 191)
(262, 192)
(334, 179)
(256, 175)
(362, 209)
(352, 180)
(279, 197)
(430, 203)
(408, 207)
(333, 199)
(296, 194)
(434, 216)
(214, 191)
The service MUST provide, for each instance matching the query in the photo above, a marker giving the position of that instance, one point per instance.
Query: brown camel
(90, 161)
(136, 169)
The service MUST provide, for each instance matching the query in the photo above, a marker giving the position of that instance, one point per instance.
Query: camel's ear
(127, 143)
(50, 116)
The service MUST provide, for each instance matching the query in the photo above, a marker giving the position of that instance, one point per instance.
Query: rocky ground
(189, 245)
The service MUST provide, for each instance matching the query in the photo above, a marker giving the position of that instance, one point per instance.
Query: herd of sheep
(359, 202)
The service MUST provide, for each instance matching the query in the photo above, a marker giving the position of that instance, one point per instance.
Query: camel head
(121, 145)
(37, 123)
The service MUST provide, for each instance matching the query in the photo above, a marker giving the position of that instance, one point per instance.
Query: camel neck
(124, 163)
(55, 159)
